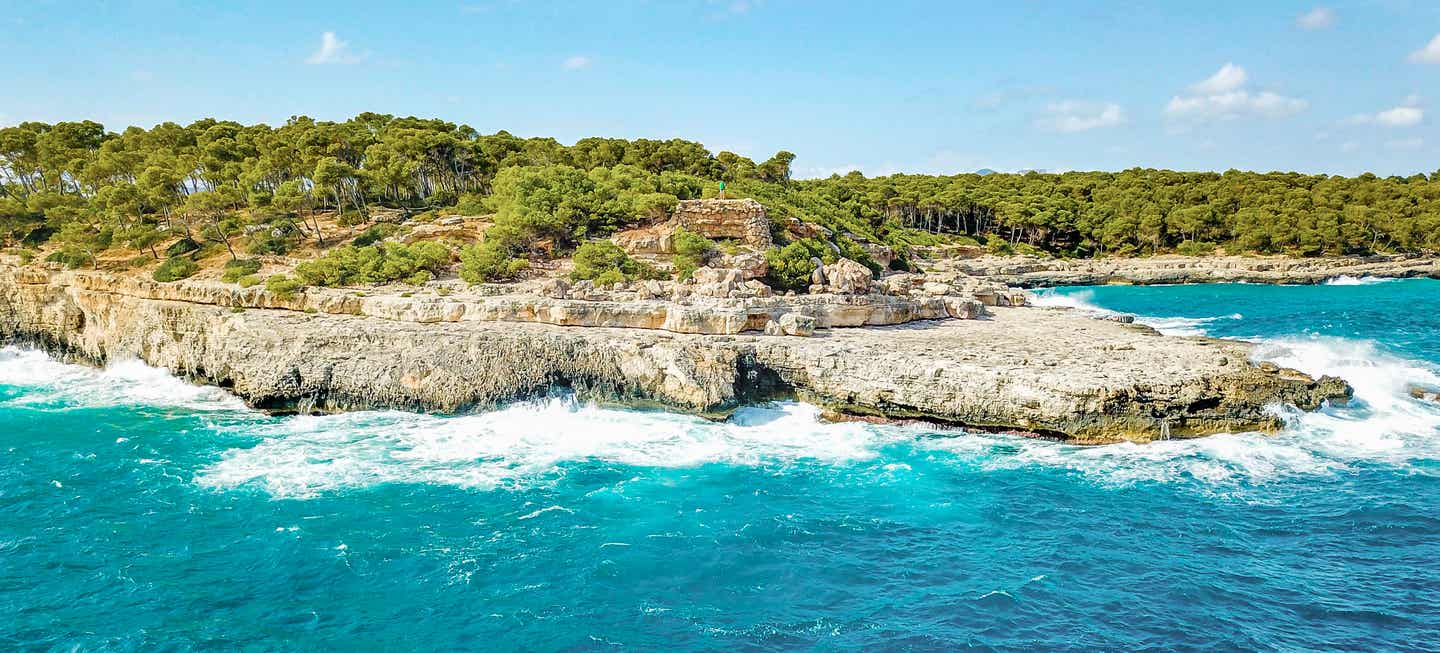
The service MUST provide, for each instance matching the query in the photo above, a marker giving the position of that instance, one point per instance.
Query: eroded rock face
(742, 220)
(1108, 382)
(795, 324)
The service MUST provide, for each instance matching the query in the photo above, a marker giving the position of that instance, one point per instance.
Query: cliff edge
(1050, 372)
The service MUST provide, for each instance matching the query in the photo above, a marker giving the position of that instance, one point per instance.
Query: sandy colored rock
(1108, 382)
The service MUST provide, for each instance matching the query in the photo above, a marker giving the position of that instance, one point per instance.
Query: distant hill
(986, 171)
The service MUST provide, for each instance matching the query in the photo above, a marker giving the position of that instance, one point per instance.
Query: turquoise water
(141, 513)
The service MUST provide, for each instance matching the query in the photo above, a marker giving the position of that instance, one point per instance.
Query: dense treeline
(214, 185)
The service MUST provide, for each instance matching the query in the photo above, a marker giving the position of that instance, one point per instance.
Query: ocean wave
(1084, 301)
(305, 456)
(52, 384)
(530, 442)
(1347, 280)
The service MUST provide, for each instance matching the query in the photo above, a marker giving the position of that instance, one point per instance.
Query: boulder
(796, 324)
(847, 277)
(964, 309)
(752, 265)
(773, 328)
(555, 288)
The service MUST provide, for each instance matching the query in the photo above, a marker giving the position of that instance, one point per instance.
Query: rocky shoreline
(1036, 272)
(1007, 370)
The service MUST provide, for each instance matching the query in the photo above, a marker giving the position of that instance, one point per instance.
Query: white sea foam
(124, 382)
(1347, 280)
(1084, 301)
(303, 456)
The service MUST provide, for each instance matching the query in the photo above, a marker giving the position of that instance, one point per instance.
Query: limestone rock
(848, 277)
(743, 220)
(1056, 373)
(752, 265)
(555, 288)
(773, 328)
(795, 324)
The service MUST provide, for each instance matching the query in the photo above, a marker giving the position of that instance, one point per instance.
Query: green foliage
(181, 247)
(175, 269)
(283, 286)
(691, 252)
(207, 180)
(248, 280)
(237, 268)
(347, 265)
(490, 261)
(792, 265)
(1192, 248)
(374, 234)
(605, 263)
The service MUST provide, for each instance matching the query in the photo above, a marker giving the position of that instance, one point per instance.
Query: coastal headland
(979, 364)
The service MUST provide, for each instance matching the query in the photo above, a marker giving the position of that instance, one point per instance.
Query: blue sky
(939, 87)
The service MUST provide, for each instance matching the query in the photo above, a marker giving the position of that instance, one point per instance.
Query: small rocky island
(951, 343)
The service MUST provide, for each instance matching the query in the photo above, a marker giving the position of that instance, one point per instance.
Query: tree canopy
(84, 189)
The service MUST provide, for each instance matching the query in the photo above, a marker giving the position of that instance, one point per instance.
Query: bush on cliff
(237, 268)
(282, 286)
(379, 263)
(605, 263)
(791, 265)
(175, 269)
(691, 252)
(490, 261)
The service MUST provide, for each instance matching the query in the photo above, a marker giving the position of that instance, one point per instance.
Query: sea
(139, 512)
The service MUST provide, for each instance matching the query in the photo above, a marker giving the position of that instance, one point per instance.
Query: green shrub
(605, 263)
(175, 269)
(791, 265)
(69, 259)
(283, 286)
(490, 261)
(378, 263)
(182, 246)
(996, 245)
(1192, 248)
(237, 268)
(374, 234)
(471, 204)
(249, 280)
(691, 252)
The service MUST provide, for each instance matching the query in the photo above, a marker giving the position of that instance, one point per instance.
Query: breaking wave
(46, 382)
(537, 441)
(1084, 301)
(1347, 280)
(523, 443)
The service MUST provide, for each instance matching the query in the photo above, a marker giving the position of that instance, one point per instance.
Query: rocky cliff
(1051, 372)
(1036, 272)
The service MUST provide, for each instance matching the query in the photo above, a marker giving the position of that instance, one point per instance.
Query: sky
(880, 87)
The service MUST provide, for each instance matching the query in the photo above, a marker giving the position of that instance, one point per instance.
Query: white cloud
(1317, 18)
(1405, 144)
(576, 62)
(1223, 96)
(1071, 116)
(1400, 117)
(1229, 78)
(1408, 114)
(333, 51)
(1349, 146)
(1428, 54)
